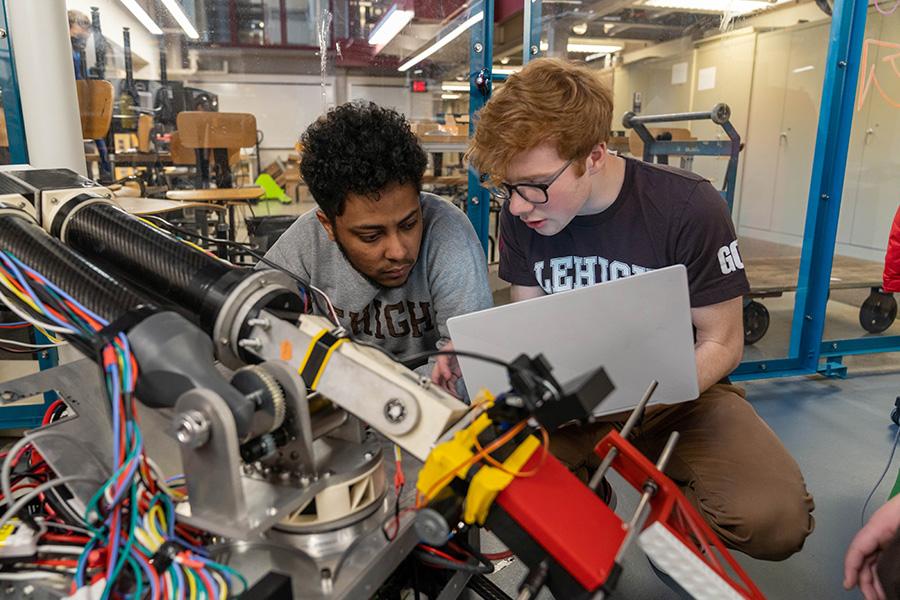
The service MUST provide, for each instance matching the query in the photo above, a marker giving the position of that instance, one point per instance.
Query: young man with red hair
(575, 215)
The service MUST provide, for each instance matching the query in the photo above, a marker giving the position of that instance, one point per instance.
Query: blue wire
(59, 291)
(146, 567)
(215, 588)
(14, 323)
(82, 561)
(179, 575)
(24, 283)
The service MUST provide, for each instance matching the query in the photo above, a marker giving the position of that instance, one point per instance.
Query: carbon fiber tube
(152, 259)
(92, 287)
(174, 355)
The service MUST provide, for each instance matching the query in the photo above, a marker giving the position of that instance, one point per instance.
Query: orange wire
(474, 458)
(494, 462)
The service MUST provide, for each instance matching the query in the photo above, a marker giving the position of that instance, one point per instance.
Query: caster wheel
(878, 312)
(756, 322)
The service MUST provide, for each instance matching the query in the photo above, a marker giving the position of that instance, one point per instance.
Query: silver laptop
(637, 328)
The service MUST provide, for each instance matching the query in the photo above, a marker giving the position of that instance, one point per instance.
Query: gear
(255, 382)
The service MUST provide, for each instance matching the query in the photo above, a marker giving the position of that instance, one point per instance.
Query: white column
(43, 53)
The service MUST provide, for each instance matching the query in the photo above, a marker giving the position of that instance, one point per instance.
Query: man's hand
(865, 549)
(446, 371)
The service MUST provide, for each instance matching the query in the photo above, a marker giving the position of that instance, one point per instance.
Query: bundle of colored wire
(130, 520)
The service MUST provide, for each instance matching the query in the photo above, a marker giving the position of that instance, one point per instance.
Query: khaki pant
(727, 462)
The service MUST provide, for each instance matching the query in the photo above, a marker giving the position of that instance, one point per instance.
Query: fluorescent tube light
(390, 25)
(449, 96)
(498, 70)
(178, 14)
(738, 7)
(462, 28)
(452, 86)
(585, 46)
(141, 15)
(803, 69)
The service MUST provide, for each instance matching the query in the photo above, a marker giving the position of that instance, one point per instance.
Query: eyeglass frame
(544, 187)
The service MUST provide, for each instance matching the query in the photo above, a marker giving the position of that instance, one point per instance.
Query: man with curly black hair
(397, 262)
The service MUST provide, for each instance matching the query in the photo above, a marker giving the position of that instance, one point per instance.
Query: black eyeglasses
(535, 193)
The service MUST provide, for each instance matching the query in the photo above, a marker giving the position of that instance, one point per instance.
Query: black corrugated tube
(152, 259)
(70, 272)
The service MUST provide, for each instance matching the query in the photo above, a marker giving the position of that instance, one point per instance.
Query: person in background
(80, 29)
(872, 561)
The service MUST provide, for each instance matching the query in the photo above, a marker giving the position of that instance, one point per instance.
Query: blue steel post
(9, 87)
(531, 35)
(826, 184)
(481, 48)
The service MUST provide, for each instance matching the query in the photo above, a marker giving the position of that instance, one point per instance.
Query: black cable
(62, 508)
(306, 286)
(451, 565)
(474, 355)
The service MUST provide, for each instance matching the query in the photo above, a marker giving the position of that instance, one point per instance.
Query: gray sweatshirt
(448, 279)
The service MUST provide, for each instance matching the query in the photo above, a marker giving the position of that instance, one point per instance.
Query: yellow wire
(6, 283)
(192, 585)
(157, 517)
(222, 585)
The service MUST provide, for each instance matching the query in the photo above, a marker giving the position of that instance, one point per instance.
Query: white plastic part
(89, 592)
(681, 564)
(341, 500)
(43, 57)
(17, 540)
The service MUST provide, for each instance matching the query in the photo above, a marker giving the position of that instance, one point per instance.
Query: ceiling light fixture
(390, 25)
(458, 31)
(178, 14)
(452, 86)
(737, 7)
(141, 15)
(450, 96)
(589, 46)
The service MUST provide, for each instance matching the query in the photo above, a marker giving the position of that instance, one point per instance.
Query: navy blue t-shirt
(662, 216)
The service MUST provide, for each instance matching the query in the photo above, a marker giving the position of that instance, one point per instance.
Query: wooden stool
(227, 197)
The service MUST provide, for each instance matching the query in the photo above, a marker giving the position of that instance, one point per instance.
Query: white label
(706, 79)
(679, 73)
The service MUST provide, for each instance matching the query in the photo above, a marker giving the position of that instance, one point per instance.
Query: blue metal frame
(12, 106)
(481, 53)
(531, 35)
(823, 207)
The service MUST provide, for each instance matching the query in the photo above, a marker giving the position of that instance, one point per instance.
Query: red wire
(15, 326)
(66, 539)
(57, 562)
(437, 552)
(207, 584)
(152, 570)
(50, 410)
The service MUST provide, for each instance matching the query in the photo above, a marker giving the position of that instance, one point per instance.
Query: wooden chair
(219, 133)
(95, 104)
(223, 135)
